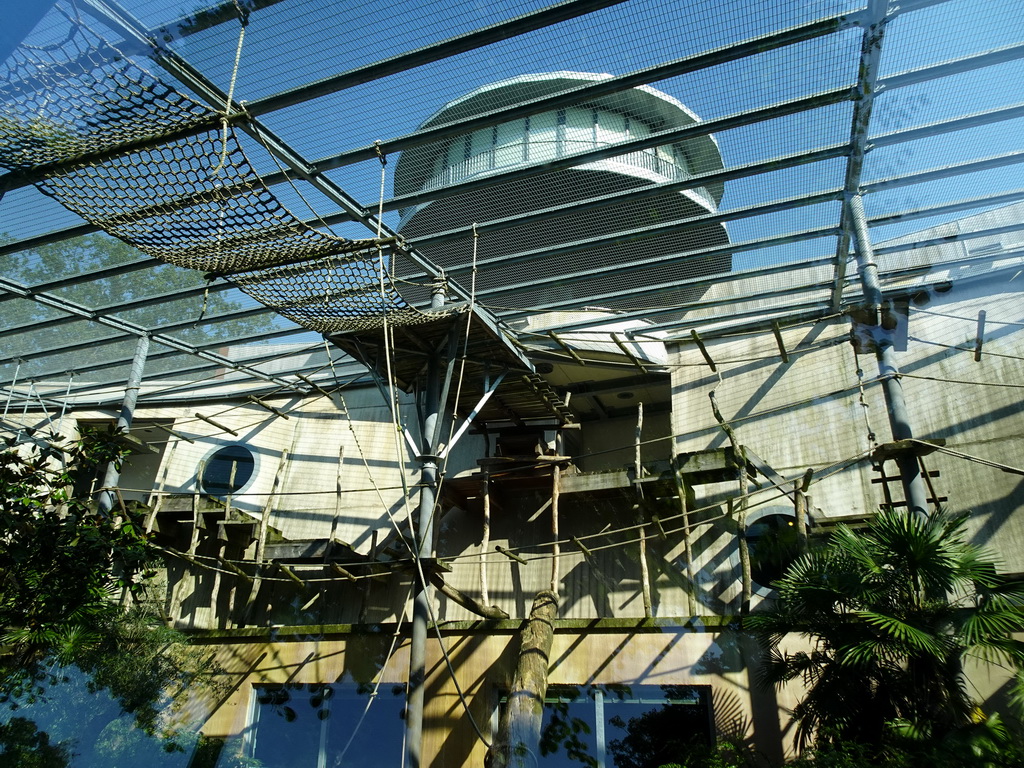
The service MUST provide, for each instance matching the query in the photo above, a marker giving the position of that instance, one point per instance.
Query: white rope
(64, 405)
(10, 389)
(872, 437)
(231, 95)
(376, 686)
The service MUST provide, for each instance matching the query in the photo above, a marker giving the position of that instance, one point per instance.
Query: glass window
(543, 135)
(611, 127)
(774, 544)
(509, 143)
(579, 129)
(227, 470)
(638, 726)
(328, 726)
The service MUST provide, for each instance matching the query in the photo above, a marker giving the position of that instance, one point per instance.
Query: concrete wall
(824, 409)
(484, 659)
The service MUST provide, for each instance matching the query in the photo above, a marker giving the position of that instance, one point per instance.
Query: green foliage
(64, 560)
(563, 731)
(23, 745)
(68, 643)
(891, 613)
(98, 252)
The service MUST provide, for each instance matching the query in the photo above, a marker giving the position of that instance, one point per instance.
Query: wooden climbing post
(638, 469)
(556, 476)
(485, 539)
(738, 509)
(517, 744)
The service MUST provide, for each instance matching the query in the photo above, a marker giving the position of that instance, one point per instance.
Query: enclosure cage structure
(413, 314)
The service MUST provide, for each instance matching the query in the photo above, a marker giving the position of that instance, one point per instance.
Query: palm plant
(891, 613)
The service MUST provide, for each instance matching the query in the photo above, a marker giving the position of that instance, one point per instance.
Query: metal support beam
(966, 204)
(132, 329)
(870, 62)
(115, 338)
(489, 389)
(425, 553)
(598, 89)
(676, 308)
(899, 421)
(987, 117)
(478, 38)
(692, 131)
(945, 172)
(953, 67)
(718, 217)
(124, 422)
(959, 237)
(110, 309)
(642, 233)
(671, 258)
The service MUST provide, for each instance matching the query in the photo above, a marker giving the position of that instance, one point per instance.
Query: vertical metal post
(899, 423)
(425, 552)
(892, 389)
(124, 420)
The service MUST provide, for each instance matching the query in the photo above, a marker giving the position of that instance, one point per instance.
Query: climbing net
(166, 174)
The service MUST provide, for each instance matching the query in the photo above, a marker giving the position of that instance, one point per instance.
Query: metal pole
(895, 402)
(425, 552)
(124, 420)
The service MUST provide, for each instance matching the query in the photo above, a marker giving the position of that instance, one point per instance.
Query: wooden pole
(485, 540)
(684, 511)
(261, 539)
(645, 575)
(159, 494)
(517, 744)
(556, 476)
(461, 598)
(738, 510)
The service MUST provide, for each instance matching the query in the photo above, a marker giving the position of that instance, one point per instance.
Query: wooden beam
(703, 350)
(778, 340)
(461, 598)
(520, 729)
(213, 423)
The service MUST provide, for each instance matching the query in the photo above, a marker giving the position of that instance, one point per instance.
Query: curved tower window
(227, 470)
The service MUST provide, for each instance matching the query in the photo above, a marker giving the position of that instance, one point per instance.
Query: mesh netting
(156, 169)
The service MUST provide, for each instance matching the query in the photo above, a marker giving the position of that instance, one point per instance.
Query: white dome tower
(572, 278)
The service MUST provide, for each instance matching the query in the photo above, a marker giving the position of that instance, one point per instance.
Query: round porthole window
(227, 470)
(773, 544)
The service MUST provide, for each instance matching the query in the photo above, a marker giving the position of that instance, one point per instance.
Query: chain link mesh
(166, 174)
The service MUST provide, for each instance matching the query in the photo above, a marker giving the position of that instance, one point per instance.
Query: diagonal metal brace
(490, 389)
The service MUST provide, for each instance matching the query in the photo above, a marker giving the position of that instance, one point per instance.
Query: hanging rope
(243, 16)
(64, 405)
(340, 759)
(10, 389)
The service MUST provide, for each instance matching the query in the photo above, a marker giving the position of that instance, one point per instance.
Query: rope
(872, 437)
(965, 319)
(961, 381)
(10, 389)
(231, 91)
(287, 175)
(976, 459)
(380, 496)
(984, 352)
(376, 686)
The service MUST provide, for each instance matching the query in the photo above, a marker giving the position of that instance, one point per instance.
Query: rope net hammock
(166, 174)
